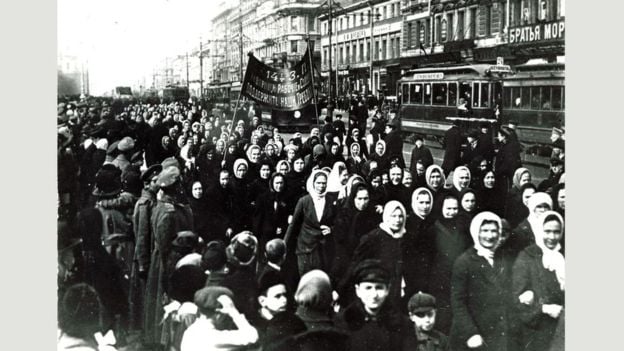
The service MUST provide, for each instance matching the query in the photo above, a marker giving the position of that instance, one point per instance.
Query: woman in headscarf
(480, 291)
(539, 285)
(355, 160)
(478, 168)
(240, 195)
(345, 192)
(199, 206)
(270, 218)
(450, 241)
(338, 178)
(291, 152)
(461, 180)
(260, 185)
(434, 176)
(208, 165)
(558, 197)
(254, 152)
(376, 191)
(379, 155)
(310, 229)
(385, 243)
(513, 200)
(283, 167)
(354, 219)
(271, 154)
(232, 153)
(296, 179)
(538, 204)
(489, 195)
(467, 208)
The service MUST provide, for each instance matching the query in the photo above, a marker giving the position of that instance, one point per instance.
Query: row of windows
(362, 18)
(533, 11)
(452, 26)
(534, 98)
(387, 48)
(477, 94)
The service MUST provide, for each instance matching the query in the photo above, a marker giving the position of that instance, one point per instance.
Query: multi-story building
(353, 57)
(72, 75)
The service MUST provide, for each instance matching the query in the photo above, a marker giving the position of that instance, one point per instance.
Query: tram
(530, 94)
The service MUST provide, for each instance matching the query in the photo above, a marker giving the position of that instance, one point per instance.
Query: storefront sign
(537, 32)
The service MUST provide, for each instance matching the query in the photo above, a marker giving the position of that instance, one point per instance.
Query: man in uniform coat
(452, 148)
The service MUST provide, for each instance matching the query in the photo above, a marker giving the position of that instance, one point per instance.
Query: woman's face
(254, 139)
(344, 177)
(231, 149)
(270, 150)
(407, 179)
(541, 208)
(278, 184)
(283, 168)
(552, 234)
(290, 154)
(423, 204)
(489, 235)
(298, 165)
(241, 170)
(435, 179)
(373, 165)
(561, 199)
(376, 182)
(483, 165)
(320, 184)
(469, 202)
(420, 169)
(197, 190)
(526, 195)
(355, 150)
(396, 220)
(254, 155)
(463, 179)
(265, 171)
(379, 149)
(489, 180)
(450, 208)
(220, 146)
(501, 138)
(361, 199)
(525, 178)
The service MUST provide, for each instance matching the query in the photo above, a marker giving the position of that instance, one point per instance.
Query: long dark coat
(394, 145)
(452, 149)
(386, 332)
(537, 329)
(420, 153)
(419, 251)
(479, 301)
(168, 218)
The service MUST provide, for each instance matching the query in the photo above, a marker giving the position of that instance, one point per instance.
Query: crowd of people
(192, 232)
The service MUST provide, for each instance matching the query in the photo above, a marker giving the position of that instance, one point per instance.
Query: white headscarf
(475, 227)
(390, 207)
(456, 177)
(345, 192)
(237, 163)
(552, 259)
(430, 170)
(415, 195)
(310, 184)
(535, 200)
(333, 183)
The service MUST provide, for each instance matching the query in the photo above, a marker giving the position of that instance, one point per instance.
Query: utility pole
(370, 53)
(201, 70)
(329, 30)
(240, 41)
(187, 73)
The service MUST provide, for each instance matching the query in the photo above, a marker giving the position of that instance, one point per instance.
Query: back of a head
(314, 291)
(275, 250)
(80, 311)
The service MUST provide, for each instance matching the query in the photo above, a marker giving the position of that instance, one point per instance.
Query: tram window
(439, 93)
(546, 104)
(507, 97)
(427, 94)
(526, 98)
(535, 98)
(496, 96)
(516, 100)
(556, 98)
(405, 93)
(415, 93)
(475, 98)
(452, 94)
(485, 95)
(465, 91)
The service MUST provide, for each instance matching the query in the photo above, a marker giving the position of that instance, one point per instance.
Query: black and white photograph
(277, 175)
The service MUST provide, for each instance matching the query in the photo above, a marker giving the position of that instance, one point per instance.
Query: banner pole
(312, 77)
(234, 114)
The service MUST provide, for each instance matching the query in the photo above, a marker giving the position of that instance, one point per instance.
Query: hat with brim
(421, 302)
(152, 171)
(107, 181)
(206, 298)
(168, 176)
(371, 270)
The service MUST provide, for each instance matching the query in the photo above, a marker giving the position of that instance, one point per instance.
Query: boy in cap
(215, 306)
(371, 321)
(422, 312)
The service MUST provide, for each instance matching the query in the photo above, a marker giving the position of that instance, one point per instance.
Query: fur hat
(168, 176)
(214, 257)
(242, 249)
(371, 270)
(107, 181)
(185, 281)
(268, 280)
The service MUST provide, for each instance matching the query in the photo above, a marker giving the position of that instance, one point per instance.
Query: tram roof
(478, 70)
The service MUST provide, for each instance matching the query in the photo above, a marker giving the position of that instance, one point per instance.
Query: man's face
(395, 176)
(407, 179)
(526, 195)
(424, 321)
(314, 132)
(561, 199)
(154, 187)
(450, 208)
(419, 143)
(372, 294)
(275, 300)
(376, 182)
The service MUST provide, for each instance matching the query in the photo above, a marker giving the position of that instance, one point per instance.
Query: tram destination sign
(540, 32)
(429, 76)
(284, 89)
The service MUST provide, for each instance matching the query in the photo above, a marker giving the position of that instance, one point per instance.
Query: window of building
(460, 25)
(439, 93)
(443, 30)
(392, 47)
(341, 23)
(376, 57)
(450, 33)
(384, 50)
(391, 10)
(438, 29)
(354, 52)
(409, 34)
(293, 46)
(398, 46)
(361, 55)
(294, 24)
(384, 13)
(421, 34)
(340, 57)
(415, 94)
(488, 20)
(348, 56)
(473, 23)
(428, 32)
(311, 23)
(324, 56)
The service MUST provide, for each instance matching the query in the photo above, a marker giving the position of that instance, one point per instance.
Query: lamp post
(371, 18)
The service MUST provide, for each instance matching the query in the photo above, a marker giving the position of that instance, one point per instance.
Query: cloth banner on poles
(284, 89)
